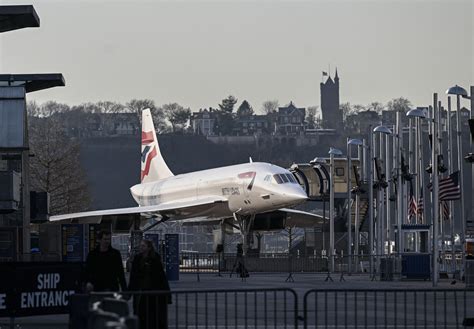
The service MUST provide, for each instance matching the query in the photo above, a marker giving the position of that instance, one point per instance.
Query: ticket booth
(416, 257)
(416, 238)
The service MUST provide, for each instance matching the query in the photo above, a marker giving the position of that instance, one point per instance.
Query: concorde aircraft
(233, 194)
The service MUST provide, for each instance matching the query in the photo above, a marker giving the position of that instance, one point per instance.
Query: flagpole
(441, 218)
(388, 192)
(435, 204)
(451, 203)
(461, 177)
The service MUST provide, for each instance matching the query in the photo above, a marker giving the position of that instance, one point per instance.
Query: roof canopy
(33, 82)
(18, 17)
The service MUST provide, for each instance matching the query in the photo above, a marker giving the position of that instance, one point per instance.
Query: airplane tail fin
(153, 166)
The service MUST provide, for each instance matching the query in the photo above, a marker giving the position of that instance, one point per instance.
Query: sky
(197, 52)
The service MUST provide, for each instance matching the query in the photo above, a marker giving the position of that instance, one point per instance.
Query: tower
(332, 114)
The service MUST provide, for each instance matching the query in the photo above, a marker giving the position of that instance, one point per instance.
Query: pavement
(260, 309)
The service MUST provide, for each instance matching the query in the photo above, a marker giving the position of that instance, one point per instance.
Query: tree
(244, 109)
(357, 108)
(270, 106)
(346, 109)
(110, 107)
(51, 108)
(228, 104)
(376, 106)
(33, 109)
(177, 115)
(311, 115)
(55, 167)
(399, 104)
(138, 105)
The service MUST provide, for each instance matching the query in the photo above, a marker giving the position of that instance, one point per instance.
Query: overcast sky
(198, 52)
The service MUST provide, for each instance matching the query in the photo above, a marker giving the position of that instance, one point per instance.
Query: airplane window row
(285, 178)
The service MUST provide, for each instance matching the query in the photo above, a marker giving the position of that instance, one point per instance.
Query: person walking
(104, 267)
(147, 273)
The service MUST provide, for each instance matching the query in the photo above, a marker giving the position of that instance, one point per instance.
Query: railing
(357, 308)
(386, 266)
(274, 308)
(243, 308)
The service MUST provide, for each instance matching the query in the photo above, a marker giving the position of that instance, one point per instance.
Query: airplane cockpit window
(278, 179)
(284, 178)
(267, 178)
(291, 178)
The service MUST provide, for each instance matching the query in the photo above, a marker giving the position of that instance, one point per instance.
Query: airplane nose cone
(297, 197)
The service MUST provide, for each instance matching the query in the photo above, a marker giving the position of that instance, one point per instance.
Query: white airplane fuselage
(249, 188)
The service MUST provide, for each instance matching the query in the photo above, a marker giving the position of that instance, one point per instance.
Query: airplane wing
(172, 210)
(299, 218)
(270, 221)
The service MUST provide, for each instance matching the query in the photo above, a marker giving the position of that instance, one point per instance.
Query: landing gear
(245, 223)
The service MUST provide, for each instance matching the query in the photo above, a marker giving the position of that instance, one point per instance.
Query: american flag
(412, 208)
(444, 209)
(449, 187)
(420, 207)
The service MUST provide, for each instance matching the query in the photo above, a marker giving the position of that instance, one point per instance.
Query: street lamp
(332, 152)
(350, 142)
(380, 232)
(418, 114)
(460, 91)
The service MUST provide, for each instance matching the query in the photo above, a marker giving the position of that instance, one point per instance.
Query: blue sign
(73, 242)
(172, 256)
(38, 288)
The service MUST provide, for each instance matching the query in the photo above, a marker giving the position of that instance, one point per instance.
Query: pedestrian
(147, 273)
(104, 267)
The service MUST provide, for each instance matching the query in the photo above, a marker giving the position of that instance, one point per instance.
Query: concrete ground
(221, 311)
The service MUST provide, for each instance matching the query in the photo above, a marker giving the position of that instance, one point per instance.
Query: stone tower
(332, 114)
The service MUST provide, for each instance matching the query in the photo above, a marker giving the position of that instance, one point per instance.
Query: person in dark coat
(147, 274)
(104, 268)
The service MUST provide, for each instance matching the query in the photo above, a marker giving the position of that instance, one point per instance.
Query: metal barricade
(242, 308)
(353, 308)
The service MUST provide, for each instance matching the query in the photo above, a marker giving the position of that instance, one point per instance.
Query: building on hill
(291, 120)
(203, 122)
(251, 124)
(332, 114)
(359, 123)
(80, 124)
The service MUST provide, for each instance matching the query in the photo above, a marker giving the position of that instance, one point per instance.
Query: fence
(243, 308)
(415, 265)
(279, 308)
(212, 263)
(356, 308)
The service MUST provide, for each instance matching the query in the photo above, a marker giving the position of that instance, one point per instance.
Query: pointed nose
(296, 197)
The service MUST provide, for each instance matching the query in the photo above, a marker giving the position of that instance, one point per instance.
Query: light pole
(332, 153)
(460, 91)
(370, 165)
(349, 199)
(381, 130)
(434, 179)
(418, 115)
(451, 203)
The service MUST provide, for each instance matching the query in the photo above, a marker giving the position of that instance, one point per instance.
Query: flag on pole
(445, 210)
(420, 208)
(412, 208)
(325, 74)
(449, 187)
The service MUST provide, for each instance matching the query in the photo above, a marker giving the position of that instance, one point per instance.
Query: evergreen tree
(228, 104)
(244, 109)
